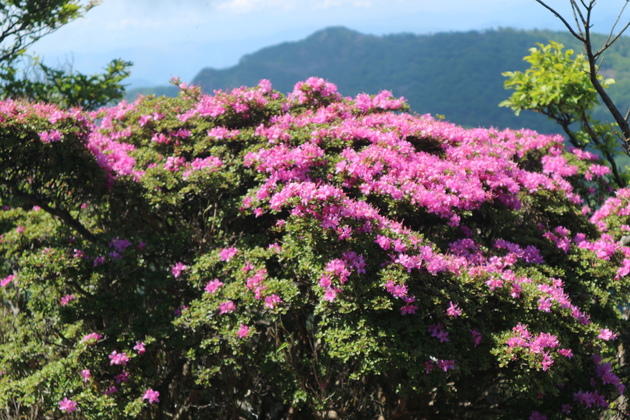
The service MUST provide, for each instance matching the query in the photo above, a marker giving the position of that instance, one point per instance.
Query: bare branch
(559, 16)
(612, 38)
(583, 22)
(61, 214)
(612, 29)
(580, 21)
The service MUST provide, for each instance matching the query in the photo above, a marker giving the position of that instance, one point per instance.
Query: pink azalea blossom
(605, 334)
(52, 136)
(272, 301)
(178, 269)
(537, 416)
(151, 396)
(111, 390)
(66, 299)
(91, 338)
(122, 377)
(118, 358)
(213, 286)
(568, 353)
(8, 279)
(86, 374)
(243, 331)
(226, 254)
(408, 309)
(67, 405)
(139, 347)
(227, 307)
(476, 336)
(453, 310)
(446, 364)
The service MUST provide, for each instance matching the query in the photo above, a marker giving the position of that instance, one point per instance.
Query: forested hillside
(458, 74)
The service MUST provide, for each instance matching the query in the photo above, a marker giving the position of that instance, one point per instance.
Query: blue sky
(166, 38)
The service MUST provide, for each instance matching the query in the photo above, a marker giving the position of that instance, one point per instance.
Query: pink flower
(174, 163)
(476, 336)
(91, 338)
(408, 309)
(177, 269)
(605, 334)
(122, 377)
(271, 301)
(151, 396)
(118, 358)
(537, 416)
(568, 353)
(453, 310)
(546, 362)
(111, 390)
(8, 279)
(397, 291)
(178, 312)
(120, 245)
(494, 283)
(213, 286)
(139, 347)
(67, 405)
(50, 136)
(544, 304)
(446, 364)
(226, 307)
(438, 332)
(66, 299)
(331, 294)
(226, 254)
(86, 374)
(243, 330)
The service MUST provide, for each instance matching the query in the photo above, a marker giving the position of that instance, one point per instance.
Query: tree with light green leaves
(566, 88)
(24, 22)
(558, 85)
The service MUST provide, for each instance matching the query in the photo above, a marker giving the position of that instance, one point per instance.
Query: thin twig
(559, 16)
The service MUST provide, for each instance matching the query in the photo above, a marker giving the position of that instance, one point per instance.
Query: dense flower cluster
(311, 252)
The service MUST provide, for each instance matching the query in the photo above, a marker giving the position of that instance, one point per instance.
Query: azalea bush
(250, 254)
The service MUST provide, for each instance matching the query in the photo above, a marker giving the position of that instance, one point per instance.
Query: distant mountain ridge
(456, 74)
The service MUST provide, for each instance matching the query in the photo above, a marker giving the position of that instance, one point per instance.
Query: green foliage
(286, 256)
(67, 88)
(558, 85)
(26, 21)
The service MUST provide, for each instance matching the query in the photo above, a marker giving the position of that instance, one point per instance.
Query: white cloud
(325, 4)
(248, 6)
(185, 19)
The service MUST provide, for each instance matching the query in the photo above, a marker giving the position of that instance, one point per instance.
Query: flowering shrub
(267, 256)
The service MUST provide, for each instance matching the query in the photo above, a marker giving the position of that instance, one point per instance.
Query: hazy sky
(167, 38)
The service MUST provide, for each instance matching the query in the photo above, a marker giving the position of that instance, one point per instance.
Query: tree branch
(60, 214)
(559, 16)
(585, 37)
(609, 156)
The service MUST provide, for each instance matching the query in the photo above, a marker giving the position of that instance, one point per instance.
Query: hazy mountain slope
(455, 74)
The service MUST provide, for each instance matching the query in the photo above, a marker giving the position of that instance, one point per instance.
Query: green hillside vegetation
(457, 74)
